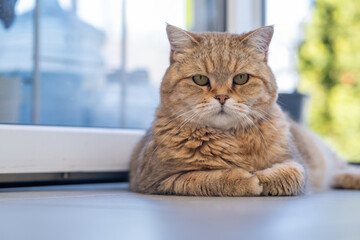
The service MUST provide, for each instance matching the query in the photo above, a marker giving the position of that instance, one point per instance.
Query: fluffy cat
(219, 131)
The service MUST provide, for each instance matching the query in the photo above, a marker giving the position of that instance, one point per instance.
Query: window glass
(100, 62)
(15, 61)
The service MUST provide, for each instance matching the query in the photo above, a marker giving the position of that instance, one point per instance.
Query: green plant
(329, 65)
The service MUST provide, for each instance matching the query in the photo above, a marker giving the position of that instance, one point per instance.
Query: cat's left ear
(260, 39)
(180, 40)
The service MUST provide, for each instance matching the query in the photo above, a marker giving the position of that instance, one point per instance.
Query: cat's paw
(282, 180)
(254, 186)
(248, 184)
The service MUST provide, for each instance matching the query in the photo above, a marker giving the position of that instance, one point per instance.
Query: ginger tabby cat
(219, 131)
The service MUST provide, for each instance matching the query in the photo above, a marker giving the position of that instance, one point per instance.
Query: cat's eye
(201, 80)
(241, 79)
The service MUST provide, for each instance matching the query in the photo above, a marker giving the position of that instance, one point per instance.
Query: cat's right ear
(260, 39)
(180, 41)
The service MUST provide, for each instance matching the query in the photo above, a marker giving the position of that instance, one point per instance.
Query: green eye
(200, 80)
(241, 79)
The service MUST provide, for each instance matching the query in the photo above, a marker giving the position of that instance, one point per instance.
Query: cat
(218, 130)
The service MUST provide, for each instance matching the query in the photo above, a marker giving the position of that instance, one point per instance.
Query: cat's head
(218, 80)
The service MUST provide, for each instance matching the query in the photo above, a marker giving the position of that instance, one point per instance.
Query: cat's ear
(260, 39)
(180, 41)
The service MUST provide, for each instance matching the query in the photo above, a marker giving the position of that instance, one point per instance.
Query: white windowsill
(44, 149)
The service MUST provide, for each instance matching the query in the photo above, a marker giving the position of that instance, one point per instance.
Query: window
(91, 63)
(67, 65)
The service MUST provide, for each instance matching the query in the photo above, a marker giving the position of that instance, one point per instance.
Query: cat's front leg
(282, 179)
(224, 182)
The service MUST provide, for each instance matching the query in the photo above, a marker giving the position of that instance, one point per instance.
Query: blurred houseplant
(329, 65)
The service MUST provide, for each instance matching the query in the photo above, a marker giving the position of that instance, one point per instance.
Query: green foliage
(329, 65)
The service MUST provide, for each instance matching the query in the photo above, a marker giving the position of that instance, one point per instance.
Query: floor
(110, 211)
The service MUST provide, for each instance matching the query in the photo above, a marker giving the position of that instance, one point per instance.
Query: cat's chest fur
(207, 148)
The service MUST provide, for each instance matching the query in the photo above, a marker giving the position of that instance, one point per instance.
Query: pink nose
(222, 98)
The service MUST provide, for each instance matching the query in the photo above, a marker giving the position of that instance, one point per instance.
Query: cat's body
(222, 134)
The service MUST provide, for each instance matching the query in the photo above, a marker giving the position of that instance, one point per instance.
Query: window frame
(252, 15)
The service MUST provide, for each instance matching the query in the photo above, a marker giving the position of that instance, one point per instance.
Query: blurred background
(99, 63)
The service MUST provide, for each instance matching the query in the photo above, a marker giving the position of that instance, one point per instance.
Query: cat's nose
(222, 98)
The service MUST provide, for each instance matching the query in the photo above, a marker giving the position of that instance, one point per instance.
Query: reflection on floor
(110, 211)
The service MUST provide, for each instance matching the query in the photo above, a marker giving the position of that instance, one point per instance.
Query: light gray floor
(110, 211)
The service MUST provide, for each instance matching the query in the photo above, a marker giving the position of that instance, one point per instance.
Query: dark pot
(293, 104)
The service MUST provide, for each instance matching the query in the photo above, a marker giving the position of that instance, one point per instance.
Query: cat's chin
(221, 120)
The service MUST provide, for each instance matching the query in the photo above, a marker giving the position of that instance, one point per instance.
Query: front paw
(282, 179)
(254, 186)
(247, 184)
